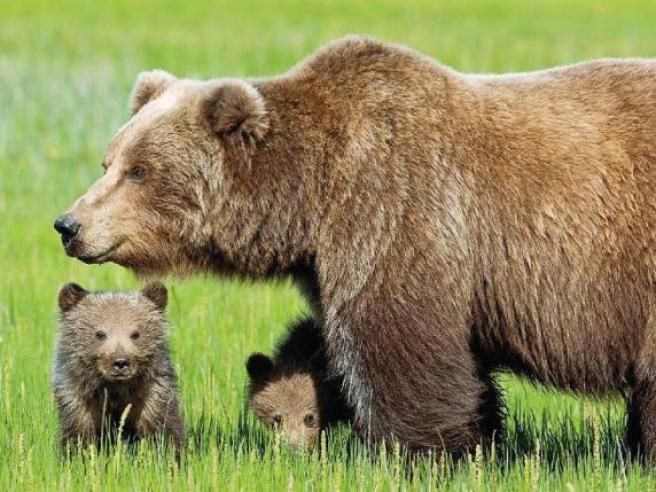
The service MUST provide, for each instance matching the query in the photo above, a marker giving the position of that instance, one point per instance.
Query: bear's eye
(134, 335)
(137, 173)
(277, 419)
(101, 335)
(308, 420)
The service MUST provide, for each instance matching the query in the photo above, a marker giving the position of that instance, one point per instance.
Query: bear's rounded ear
(259, 367)
(236, 113)
(156, 293)
(69, 295)
(148, 86)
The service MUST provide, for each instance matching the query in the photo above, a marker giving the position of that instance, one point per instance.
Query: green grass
(65, 73)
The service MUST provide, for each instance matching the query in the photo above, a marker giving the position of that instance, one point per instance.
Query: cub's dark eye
(100, 335)
(137, 173)
(277, 419)
(134, 335)
(308, 420)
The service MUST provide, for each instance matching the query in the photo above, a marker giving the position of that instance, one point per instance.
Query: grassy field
(65, 73)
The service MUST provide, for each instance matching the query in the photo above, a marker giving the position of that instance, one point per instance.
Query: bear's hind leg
(491, 410)
(641, 403)
(641, 417)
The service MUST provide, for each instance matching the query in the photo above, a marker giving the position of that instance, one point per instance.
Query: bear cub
(112, 363)
(292, 392)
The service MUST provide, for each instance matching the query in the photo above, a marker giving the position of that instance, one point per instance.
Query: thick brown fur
(442, 225)
(97, 330)
(293, 392)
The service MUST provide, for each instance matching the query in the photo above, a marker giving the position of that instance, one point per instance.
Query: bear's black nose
(68, 227)
(121, 364)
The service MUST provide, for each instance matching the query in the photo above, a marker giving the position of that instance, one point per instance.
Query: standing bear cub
(293, 392)
(442, 225)
(112, 365)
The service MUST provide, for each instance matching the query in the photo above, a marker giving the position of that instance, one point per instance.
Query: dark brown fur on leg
(641, 420)
(411, 390)
(437, 413)
(491, 410)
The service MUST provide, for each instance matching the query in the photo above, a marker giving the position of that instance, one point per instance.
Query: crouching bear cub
(293, 392)
(111, 362)
(442, 225)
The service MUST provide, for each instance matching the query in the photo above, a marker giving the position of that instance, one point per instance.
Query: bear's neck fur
(319, 187)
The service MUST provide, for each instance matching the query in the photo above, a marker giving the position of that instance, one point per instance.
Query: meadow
(66, 69)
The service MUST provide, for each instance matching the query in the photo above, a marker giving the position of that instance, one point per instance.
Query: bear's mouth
(102, 256)
(116, 376)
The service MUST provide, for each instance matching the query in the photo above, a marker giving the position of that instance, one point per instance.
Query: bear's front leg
(161, 413)
(77, 424)
(412, 377)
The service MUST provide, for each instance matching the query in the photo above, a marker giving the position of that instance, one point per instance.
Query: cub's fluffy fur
(293, 392)
(111, 361)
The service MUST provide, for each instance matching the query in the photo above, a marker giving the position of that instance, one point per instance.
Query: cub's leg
(77, 423)
(161, 412)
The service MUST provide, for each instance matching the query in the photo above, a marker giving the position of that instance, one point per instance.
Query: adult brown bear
(441, 225)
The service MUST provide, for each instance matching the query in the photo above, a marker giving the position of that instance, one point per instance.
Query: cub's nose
(68, 227)
(121, 364)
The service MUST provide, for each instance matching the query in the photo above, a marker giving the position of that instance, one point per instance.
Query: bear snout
(117, 366)
(121, 365)
(68, 227)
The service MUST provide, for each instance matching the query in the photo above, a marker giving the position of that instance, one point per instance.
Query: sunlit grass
(65, 71)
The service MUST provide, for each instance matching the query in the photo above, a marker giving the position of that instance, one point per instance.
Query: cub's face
(286, 403)
(163, 176)
(112, 334)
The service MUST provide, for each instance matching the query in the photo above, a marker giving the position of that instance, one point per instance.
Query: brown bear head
(167, 192)
(286, 401)
(112, 336)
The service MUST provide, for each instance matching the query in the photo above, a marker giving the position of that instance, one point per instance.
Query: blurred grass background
(66, 69)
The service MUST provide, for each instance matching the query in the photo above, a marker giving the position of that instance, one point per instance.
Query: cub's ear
(69, 295)
(237, 114)
(148, 86)
(259, 367)
(156, 293)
